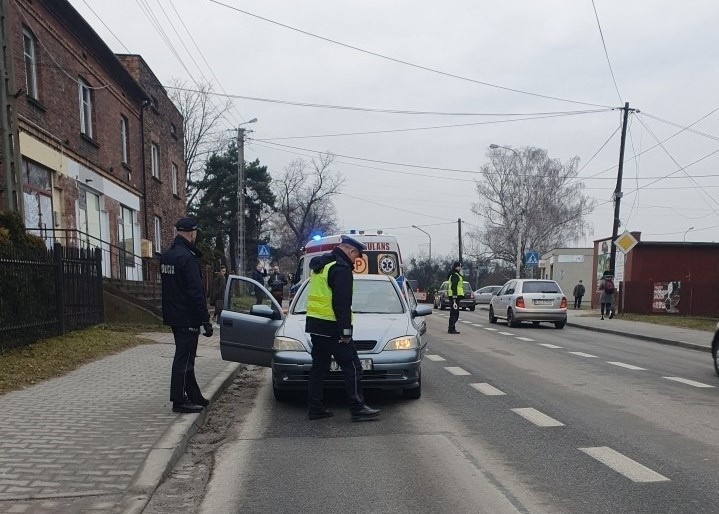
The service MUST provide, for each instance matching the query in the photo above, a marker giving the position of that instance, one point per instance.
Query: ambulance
(382, 256)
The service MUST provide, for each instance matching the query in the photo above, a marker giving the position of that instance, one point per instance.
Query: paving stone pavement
(74, 443)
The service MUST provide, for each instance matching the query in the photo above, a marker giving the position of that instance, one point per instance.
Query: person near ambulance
(455, 292)
(606, 297)
(329, 323)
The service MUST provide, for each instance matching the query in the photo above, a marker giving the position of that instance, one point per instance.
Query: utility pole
(459, 234)
(520, 227)
(9, 145)
(618, 190)
(240, 256)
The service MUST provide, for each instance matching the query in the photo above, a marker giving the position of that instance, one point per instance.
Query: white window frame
(174, 178)
(85, 97)
(123, 138)
(158, 234)
(30, 64)
(155, 160)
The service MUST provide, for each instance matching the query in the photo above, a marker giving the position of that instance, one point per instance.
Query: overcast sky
(663, 54)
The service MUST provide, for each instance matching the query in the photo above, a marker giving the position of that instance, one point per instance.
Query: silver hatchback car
(529, 300)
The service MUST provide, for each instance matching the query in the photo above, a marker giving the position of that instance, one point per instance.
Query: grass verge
(48, 358)
(695, 323)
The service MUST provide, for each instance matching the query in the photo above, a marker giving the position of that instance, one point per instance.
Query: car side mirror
(263, 311)
(422, 310)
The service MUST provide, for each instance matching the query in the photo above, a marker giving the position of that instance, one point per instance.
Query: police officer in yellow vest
(455, 292)
(329, 322)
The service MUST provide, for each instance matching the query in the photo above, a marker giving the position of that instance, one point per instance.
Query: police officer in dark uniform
(455, 292)
(184, 308)
(329, 323)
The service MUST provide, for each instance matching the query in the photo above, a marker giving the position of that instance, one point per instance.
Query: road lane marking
(457, 371)
(435, 358)
(688, 382)
(547, 345)
(536, 417)
(628, 366)
(488, 390)
(582, 354)
(491, 329)
(622, 464)
(462, 321)
(475, 325)
(525, 339)
(506, 333)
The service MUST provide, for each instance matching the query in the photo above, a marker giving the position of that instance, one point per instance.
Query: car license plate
(366, 365)
(543, 302)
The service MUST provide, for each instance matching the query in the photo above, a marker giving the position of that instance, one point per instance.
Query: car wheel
(716, 359)
(511, 322)
(492, 317)
(559, 324)
(280, 394)
(415, 393)
(472, 308)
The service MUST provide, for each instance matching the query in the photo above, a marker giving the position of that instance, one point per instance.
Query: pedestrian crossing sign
(531, 258)
(263, 250)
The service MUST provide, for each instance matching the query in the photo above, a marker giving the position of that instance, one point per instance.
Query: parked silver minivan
(529, 300)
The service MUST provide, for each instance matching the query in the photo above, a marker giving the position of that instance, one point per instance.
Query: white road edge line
(547, 345)
(628, 366)
(457, 371)
(506, 333)
(525, 339)
(688, 382)
(491, 329)
(475, 325)
(582, 354)
(536, 417)
(622, 464)
(487, 389)
(435, 358)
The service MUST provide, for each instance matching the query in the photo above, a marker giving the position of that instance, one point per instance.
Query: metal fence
(44, 293)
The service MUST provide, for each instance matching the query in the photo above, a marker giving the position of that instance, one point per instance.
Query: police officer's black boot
(366, 413)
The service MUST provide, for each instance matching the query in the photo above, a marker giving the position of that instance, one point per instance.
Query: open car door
(248, 322)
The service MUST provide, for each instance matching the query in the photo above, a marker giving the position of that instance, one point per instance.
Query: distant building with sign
(567, 266)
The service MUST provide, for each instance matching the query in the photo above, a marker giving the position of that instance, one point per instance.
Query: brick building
(83, 116)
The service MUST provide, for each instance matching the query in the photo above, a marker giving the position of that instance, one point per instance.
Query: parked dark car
(389, 330)
(441, 301)
(715, 349)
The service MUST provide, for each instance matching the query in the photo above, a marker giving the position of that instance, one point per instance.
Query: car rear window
(541, 287)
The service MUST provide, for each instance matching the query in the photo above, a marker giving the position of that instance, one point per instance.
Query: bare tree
(304, 205)
(202, 118)
(527, 194)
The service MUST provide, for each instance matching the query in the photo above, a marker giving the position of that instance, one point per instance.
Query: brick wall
(159, 119)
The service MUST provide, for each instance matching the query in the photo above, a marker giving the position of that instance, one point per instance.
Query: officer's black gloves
(208, 329)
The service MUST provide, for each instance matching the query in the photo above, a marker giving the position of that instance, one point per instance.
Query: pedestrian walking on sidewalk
(455, 292)
(606, 297)
(216, 296)
(277, 282)
(329, 323)
(185, 310)
(578, 293)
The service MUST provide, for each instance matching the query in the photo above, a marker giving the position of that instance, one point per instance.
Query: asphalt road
(531, 419)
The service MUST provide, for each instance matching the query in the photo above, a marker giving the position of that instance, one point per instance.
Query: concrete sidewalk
(684, 337)
(101, 438)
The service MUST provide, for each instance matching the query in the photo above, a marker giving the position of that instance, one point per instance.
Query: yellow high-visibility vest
(319, 298)
(460, 285)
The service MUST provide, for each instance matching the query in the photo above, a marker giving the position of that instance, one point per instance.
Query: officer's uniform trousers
(323, 348)
(183, 382)
(453, 315)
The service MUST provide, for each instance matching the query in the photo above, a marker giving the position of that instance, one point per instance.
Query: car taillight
(519, 302)
(563, 304)
(471, 295)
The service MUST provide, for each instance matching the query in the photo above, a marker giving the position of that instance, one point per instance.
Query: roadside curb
(171, 446)
(669, 342)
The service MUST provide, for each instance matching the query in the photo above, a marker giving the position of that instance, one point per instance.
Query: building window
(174, 178)
(155, 160)
(30, 64)
(126, 239)
(37, 196)
(85, 108)
(158, 234)
(123, 139)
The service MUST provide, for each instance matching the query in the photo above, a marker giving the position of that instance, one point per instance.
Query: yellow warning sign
(626, 242)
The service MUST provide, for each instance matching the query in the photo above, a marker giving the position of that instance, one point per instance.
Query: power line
(400, 61)
(604, 44)
(396, 208)
(105, 25)
(599, 150)
(688, 129)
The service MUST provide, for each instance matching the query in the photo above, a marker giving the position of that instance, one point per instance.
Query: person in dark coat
(184, 309)
(329, 323)
(258, 275)
(606, 297)
(216, 296)
(455, 293)
(578, 292)
(277, 282)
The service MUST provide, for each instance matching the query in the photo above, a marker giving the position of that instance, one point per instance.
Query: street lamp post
(430, 240)
(520, 224)
(241, 197)
(685, 233)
